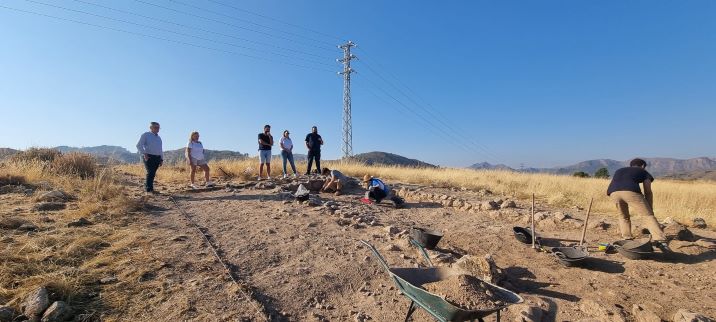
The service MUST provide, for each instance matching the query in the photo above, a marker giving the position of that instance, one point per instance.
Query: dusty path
(303, 264)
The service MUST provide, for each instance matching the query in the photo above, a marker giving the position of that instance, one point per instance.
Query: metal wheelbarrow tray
(410, 280)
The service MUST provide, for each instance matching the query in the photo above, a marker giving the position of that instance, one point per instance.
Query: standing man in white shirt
(196, 159)
(150, 147)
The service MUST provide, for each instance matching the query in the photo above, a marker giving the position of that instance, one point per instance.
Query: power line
(448, 127)
(163, 39)
(278, 20)
(176, 32)
(203, 30)
(407, 109)
(429, 111)
(226, 23)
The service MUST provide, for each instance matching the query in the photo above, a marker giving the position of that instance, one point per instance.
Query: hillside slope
(386, 158)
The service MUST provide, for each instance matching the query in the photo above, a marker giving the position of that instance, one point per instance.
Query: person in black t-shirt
(624, 190)
(313, 144)
(265, 144)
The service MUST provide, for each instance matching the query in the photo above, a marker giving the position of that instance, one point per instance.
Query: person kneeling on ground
(335, 181)
(195, 158)
(378, 190)
(625, 192)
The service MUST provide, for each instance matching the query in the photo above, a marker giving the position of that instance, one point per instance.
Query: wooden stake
(586, 221)
(532, 220)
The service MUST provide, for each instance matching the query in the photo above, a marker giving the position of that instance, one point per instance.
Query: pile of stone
(454, 202)
(37, 307)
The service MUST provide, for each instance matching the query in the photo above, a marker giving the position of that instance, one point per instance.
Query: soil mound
(467, 292)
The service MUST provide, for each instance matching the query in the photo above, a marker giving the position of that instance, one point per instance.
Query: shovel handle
(586, 221)
(532, 221)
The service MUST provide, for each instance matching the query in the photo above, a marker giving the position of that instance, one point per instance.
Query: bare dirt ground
(297, 262)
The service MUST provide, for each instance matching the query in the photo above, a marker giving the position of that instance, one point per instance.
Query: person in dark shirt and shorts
(265, 144)
(313, 144)
(624, 190)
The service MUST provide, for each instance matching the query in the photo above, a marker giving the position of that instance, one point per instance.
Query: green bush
(602, 173)
(580, 174)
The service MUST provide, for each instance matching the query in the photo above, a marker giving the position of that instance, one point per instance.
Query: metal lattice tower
(347, 121)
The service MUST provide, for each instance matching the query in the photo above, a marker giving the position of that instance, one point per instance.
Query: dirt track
(302, 264)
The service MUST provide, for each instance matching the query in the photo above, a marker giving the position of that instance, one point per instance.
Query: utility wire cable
(430, 110)
(176, 32)
(447, 131)
(163, 39)
(279, 20)
(235, 25)
(203, 30)
(406, 109)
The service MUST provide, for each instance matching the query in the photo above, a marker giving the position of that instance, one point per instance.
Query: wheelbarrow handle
(377, 255)
(422, 250)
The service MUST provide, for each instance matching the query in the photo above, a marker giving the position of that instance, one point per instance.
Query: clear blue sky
(542, 83)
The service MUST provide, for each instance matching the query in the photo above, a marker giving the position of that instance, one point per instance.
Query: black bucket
(569, 256)
(634, 249)
(524, 235)
(428, 239)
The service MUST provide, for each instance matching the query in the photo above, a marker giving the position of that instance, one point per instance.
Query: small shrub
(36, 154)
(580, 174)
(602, 173)
(74, 163)
(12, 180)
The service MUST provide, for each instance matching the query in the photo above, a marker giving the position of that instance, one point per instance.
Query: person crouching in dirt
(335, 181)
(625, 192)
(378, 190)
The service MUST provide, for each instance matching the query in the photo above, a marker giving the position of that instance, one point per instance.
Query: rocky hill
(6, 152)
(695, 168)
(386, 158)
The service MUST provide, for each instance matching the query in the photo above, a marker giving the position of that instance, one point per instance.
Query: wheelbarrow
(410, 280)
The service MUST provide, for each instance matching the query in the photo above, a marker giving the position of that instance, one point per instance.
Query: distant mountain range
(659, 167)
(118, 154)
(386, 158)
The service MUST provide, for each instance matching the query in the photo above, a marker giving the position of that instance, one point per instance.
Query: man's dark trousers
(311, 156)
(151, 165)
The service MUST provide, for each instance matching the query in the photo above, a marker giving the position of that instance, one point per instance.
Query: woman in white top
(287, 153)
(195, 158)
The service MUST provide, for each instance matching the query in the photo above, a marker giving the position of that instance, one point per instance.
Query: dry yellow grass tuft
(681, 200)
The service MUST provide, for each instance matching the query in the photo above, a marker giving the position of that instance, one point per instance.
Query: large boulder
(36, 303)
(481, 267)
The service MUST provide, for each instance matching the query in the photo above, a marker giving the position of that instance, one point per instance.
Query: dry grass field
(681, 200)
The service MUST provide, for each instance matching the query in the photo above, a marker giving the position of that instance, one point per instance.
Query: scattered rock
(57, 312)
(668, 221)
(314, 201)
(599, 224)
(683, 315)
(679, 232)
(699, 223)
(80, 223)
(508, 204)
(27, 227)
(392, 230)
(55, 195)
(643, 315)
(541, 216)
(362, 317)
(343, 222)
(49, 206)
(561, 216)
(601, 312)
(6, 313)
(36, 303)
(265, 185)
(108, 280)
(489, 205)
(392, 248)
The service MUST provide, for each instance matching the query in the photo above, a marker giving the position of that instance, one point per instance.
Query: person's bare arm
(271, 140)
(320, 140)
(648, 193)
(188, 155)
